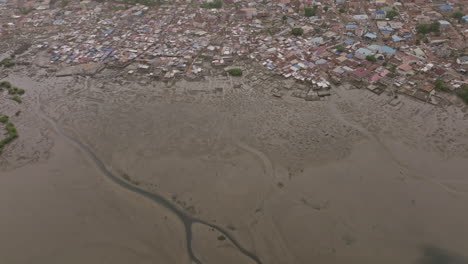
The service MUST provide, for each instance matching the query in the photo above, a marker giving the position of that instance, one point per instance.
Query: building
(362, 53)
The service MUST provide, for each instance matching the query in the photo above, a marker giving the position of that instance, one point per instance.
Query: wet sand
(349, 180)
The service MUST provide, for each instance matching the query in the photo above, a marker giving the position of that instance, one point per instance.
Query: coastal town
(417, 48)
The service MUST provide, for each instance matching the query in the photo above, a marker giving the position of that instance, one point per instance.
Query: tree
(215, 4)
(235, 72)
(462, 92)
(392, 14)
(342, 10)
(435, 27)
(310, 11)
(371, 58)
(428, 28)
(340, 48)
(457, 15)
(441, 86)
(325, 8)
(297, 31)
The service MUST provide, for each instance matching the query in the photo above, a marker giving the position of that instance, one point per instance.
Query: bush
(20, 91)
(463, 93)
(457, 15)
(17, 99)
(340, 48)
(7, 63)
(441, 86)
(5, 84)
(342, 10)
(235, 72)
(12, 90)
(392, 14)
(310, 11)
(3, 119)
(371, 58)
(12, 134)
(297, 31)
(428, 28)
(214, 4)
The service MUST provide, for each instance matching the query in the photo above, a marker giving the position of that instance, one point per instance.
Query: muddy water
(345, 181)
(188, 221)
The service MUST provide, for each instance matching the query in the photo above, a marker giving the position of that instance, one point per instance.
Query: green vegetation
(15, 90)
(5, 84)
(325, 8)
(392, 14)
(458, 16)
(214, 4)
(297, 31)
(12, 134)
(392, 69)
(17, 99)
(134, 2)
(371, 58)
(340, 48)
(441, 86)
(428, 28)
(3, 119)
(342, 10)
(7, 63)
(64, 3)
(463, 93)
(235, 72)
(26, 10)
(310, 11)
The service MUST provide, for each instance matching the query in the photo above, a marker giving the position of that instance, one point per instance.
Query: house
(360, 74)
(405, 69)
(465, 18)
(362, 53)
(379, 15)
(428, 88)
(370, 36)
(445, 8)
(463, 60)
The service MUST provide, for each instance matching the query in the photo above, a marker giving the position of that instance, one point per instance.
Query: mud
(348, 180)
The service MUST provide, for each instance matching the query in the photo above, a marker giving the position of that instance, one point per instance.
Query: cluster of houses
(376, 43)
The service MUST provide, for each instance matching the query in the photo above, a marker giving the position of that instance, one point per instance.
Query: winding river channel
(187, 220)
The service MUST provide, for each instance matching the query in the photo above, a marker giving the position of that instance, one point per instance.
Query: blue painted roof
(321, 61)
(380, 12)
(408, 36)
(388, 50)
(396, 38)
(351, 26)
(370, 35)
(364, 51)
(349, 41)
(445, 7)
(465, 18)
(383, 49)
